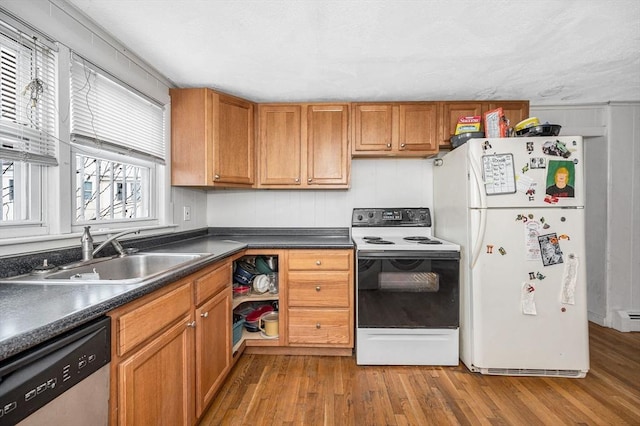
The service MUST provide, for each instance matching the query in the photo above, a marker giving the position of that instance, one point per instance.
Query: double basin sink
(129, 269)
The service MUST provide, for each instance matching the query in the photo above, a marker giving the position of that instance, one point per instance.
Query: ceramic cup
(269, 324)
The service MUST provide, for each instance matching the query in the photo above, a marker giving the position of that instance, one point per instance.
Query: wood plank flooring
(317, 390)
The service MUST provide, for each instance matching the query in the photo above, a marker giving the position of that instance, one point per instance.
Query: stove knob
(359, 217)
(370, 215)
(423, 216)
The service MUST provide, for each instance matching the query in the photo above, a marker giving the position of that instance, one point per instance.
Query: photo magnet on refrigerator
(550, 249)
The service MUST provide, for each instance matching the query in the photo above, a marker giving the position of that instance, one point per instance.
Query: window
(117, 137)
(110, 190)
(27, 123)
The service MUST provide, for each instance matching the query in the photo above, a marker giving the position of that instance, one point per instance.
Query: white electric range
(407, 286)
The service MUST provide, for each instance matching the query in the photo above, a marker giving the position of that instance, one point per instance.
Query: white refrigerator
(516, 208)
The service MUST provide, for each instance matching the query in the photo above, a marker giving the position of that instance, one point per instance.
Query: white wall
(623, 240)
(386, 182)
(61, 23)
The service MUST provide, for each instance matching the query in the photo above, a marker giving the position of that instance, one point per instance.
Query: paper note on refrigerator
(527, 299)
(569, 278)
(532, 230)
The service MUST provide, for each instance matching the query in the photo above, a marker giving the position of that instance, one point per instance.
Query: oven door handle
(427, 254)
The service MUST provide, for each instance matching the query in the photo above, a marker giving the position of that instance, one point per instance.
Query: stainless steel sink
(129, 269)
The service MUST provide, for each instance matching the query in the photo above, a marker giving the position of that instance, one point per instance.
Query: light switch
(187, 213)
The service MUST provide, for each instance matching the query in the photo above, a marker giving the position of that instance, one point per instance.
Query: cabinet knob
(216, 177)
(317, 288)
(317, 325)
(297, 180)
(388, 145)
(191, 324)
(309, 180)
(402, 145)
(205, 314)
(318, 263)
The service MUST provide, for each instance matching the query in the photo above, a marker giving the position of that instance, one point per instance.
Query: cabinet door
(372, 127)
(450, 113)
(191, 137)
(514, 111)
(418, 128)
(213, 346)
(328, 155)
(234, 148)
(154, 384)
(280, 159)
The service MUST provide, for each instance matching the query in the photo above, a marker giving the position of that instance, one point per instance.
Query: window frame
(153, 188)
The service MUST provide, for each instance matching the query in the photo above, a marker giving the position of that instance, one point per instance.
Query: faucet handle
(86, 235)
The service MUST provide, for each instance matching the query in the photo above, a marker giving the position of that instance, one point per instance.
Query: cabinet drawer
(325, 260)
(137, 326)
(209, 284)
(319, 326)
(321, 289)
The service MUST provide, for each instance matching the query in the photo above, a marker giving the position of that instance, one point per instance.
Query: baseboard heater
(572, 374)
(626, 321)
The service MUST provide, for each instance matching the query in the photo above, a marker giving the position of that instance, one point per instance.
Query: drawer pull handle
(317, 288)
(318, 263)
(191, 324)
(205, 315)
(318, 325)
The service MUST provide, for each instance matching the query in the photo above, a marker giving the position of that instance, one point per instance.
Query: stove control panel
(389, 217)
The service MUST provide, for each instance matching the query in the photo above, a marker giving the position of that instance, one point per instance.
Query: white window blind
(109, 115)
(27, 99)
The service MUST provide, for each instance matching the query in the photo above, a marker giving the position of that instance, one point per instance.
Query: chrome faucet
(87, 243)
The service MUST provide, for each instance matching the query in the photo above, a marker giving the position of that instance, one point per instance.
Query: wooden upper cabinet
(515, 111)
(450, 112)
(233, 144)
(280, 150)
(212, 140)
(395, 129)
(328, 156)
(418, 127)
(303, 146)
(372, 127)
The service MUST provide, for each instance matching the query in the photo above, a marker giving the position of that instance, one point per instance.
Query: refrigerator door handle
(479, 180)
(482, 227)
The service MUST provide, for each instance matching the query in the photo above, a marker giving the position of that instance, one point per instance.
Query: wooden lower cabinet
(154, 384)
(171, 350)
(213, 347)
(320, 326)
(319, 308)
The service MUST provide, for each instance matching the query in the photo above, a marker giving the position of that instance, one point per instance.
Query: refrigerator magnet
(550, 249)
(537, 163)
(561, 179)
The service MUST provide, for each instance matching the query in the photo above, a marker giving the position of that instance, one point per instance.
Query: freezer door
(529, 305)
(526, 172)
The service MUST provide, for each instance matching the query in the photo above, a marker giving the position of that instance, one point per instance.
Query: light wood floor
(308, 390)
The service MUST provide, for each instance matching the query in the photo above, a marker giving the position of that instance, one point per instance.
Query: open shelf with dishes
(256, 300)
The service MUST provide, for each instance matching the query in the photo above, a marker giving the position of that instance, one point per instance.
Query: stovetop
(396, 229)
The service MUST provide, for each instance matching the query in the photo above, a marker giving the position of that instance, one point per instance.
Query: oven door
(408, 289)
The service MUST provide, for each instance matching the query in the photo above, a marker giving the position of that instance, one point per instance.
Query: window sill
(15, 246)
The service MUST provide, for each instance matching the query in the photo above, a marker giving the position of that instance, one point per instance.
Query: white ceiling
(547, 51)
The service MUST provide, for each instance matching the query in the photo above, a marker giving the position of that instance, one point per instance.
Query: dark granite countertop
(31, 314)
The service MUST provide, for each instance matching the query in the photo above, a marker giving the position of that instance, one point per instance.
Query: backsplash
(384, 182)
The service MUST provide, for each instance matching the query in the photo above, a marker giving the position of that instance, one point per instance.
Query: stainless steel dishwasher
(64, 381)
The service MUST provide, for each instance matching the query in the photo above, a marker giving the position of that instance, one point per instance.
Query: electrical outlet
(186, 213)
